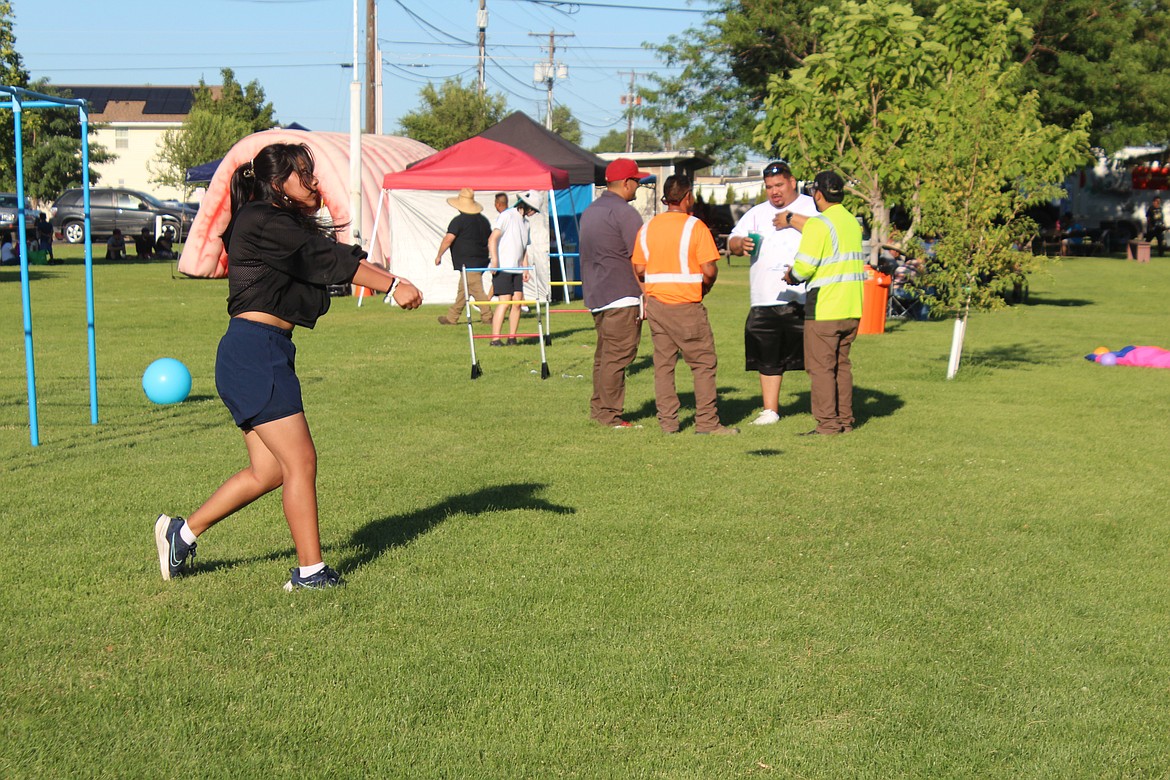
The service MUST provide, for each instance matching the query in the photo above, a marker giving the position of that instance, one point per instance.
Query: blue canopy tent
(586, 171)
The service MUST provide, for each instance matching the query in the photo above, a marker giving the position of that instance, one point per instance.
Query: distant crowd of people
(146, 246)
(807, 270)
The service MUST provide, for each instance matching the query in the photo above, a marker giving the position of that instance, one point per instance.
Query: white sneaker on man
(767, 417)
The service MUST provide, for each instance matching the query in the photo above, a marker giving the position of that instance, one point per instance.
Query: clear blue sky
(295, 49)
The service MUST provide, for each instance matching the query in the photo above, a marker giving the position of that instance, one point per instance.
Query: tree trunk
(879, 226)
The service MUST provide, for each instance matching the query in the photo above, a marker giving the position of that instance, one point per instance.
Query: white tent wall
(418, 220)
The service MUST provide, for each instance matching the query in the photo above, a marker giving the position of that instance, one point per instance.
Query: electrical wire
(575, 5)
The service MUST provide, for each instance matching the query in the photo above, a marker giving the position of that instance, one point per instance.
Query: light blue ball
(166, 381)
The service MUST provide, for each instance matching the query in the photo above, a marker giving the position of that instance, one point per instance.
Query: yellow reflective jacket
(831, 263)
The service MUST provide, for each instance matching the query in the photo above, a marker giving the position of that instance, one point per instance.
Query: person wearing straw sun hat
(467, 238)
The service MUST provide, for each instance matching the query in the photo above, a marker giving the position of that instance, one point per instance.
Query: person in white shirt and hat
(508, 250)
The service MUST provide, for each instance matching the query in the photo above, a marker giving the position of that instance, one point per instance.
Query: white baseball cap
(533, 198)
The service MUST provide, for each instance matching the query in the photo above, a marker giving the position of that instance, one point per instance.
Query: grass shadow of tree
(374, 539)
(1040, 300)
(1011, 356)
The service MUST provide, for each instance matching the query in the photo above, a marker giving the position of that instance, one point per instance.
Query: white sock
(186, 535)
(309, 571)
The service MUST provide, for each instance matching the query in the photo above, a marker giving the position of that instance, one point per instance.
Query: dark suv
(8, 209)
(109, 208)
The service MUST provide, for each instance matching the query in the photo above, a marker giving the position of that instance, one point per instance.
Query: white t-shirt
(777, 252)
(513, 227)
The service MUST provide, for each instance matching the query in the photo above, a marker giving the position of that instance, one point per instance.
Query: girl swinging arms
(281, 257)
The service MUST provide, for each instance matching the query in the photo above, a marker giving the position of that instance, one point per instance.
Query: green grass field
(973, 584)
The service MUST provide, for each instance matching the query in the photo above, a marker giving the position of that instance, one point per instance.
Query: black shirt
(279, 267)
(470, 248)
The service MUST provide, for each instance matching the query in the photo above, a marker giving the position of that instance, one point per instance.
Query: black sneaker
(326, 578)
(173, 552)
(512, 342)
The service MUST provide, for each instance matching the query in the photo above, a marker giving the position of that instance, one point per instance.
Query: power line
(574, 5)
(509, 75)
(528, 46)
(425, 23)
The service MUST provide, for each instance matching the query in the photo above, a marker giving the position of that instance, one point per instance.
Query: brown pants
(475, 285)
(830, 373)
(618, 334)
(675, 328)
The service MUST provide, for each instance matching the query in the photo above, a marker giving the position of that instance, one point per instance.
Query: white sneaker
(767, 417)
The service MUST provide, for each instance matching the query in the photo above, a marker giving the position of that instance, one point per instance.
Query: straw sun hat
(465, 202)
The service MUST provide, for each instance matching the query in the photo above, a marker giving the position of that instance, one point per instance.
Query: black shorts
(255, 373)
(506, 284)
(773, 339)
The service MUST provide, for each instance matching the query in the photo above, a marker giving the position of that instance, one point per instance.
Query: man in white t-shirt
(508, 250)
(774, 331)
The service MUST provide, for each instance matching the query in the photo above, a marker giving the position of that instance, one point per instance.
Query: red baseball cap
(623, 168)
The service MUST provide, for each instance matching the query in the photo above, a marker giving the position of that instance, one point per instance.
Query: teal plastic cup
(757, 242)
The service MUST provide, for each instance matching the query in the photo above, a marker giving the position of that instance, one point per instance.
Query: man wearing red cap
(609, 227)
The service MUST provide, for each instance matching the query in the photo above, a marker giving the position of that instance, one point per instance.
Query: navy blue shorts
(255, 373)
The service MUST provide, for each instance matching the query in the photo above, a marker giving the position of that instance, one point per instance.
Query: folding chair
(899, 307)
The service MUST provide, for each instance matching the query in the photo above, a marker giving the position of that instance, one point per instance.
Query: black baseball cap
(829, 184)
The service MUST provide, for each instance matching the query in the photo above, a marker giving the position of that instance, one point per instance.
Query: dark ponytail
(260, 178)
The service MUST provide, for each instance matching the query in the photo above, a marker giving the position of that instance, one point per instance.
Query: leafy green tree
(452, 113)
(12, 74)
(726, 62)
(204, 136)
(51, 138)
(990, 158)
(615, 141)
(931, 115)
(217, 120)
(566, 125)
(1111, 59)
(662, 109)
(235, 101)
(52, 149)
(853, 106)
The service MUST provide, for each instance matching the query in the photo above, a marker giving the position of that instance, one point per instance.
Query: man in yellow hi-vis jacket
(831, 264)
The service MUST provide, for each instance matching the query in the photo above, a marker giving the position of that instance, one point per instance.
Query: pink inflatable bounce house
(203, 252)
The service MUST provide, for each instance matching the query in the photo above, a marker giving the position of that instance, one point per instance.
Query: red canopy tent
(481, 164)
(418, 212)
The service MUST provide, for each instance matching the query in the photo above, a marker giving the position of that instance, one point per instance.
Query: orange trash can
(874, 300)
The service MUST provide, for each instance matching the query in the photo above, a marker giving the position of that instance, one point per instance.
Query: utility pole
(481, 22)
(355, 141)
(630, 100)
(373, 66)
(550, 72)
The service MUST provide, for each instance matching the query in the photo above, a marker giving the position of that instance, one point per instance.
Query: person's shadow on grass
(370, 541)
(868, 404)
(379, 536)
